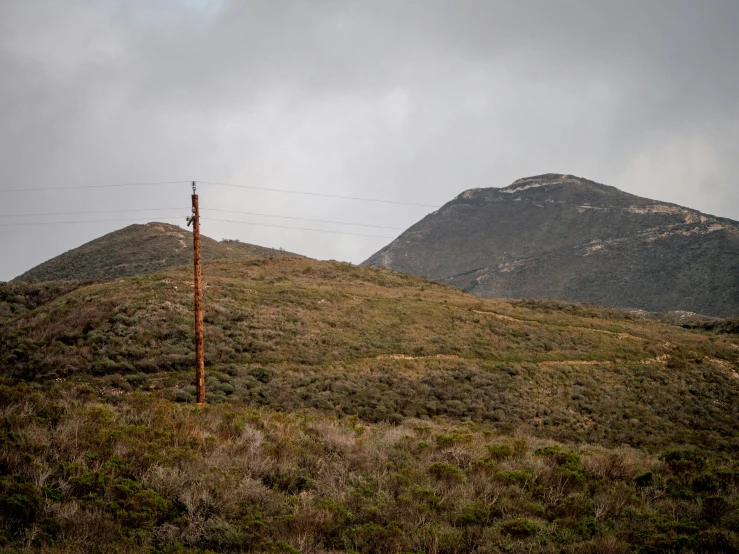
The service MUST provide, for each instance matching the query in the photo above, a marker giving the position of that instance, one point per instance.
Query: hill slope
(566, 238)
(20, 297)
(357, 409)
(138, 249)
(387, 346)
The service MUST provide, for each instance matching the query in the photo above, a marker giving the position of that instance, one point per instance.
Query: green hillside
(136, 250)
(354, 409)
(17, 298)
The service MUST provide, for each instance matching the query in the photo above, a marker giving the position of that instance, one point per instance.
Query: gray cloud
(415, 100)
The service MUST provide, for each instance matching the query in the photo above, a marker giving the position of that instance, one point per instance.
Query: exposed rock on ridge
(567, 238)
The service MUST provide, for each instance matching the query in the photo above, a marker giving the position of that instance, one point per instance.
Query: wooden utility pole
(199, 356)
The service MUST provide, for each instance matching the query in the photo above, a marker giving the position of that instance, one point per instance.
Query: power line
(302, 219)
(203, 218)
(320, 194)
(298, 228)
(205, 209)
(94, 212)
(76, 187)
(83, 221)
(156, 183)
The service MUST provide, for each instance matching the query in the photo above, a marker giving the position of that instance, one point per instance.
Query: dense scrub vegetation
(136, 250)
(19, 298)
(141, 473)
(359, 410)
(718, 325)
(293, 334)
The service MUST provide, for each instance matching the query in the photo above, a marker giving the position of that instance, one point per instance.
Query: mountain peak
(548, 181)
(561, 237)
(138, 249)
(537, 181)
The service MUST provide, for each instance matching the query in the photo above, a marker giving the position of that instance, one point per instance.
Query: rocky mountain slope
(138, 249)
(562, 237)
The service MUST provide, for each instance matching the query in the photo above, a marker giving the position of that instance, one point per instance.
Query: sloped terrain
(566, 238)
(138, 249)
(296, 333)
(133, 472)
(356, 409)
(19, 297)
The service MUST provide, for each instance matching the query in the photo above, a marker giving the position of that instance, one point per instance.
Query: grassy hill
(356, 409)
(138, 249)
(566, 238)
(18, 298)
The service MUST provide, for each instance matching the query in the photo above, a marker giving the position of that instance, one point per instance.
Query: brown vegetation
(359, 410)
(140, 473)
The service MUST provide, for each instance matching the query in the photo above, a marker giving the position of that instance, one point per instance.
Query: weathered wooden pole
(199, 354)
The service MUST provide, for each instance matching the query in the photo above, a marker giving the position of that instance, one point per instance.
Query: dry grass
(147, 474)
(355, 409)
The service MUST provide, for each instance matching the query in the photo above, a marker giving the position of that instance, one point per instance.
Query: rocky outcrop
(566, 238)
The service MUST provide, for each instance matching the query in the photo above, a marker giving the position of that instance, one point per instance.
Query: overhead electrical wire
(205, 210)
(320, 194)
(202, 219)
(76, 187)
(297, 228)
(249, 187)
(96, 212)
(301, 218)
(84, 221)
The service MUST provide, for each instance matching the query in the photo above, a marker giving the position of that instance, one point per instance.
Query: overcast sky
(412, 100)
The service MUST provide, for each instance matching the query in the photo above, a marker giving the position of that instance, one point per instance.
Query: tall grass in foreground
(143, 474)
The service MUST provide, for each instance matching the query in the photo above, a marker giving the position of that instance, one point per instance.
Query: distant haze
(413, 101)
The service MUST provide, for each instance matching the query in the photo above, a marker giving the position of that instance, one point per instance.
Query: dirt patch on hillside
(407, 357)
(575, 362)
(500, 316)
(726, 366)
